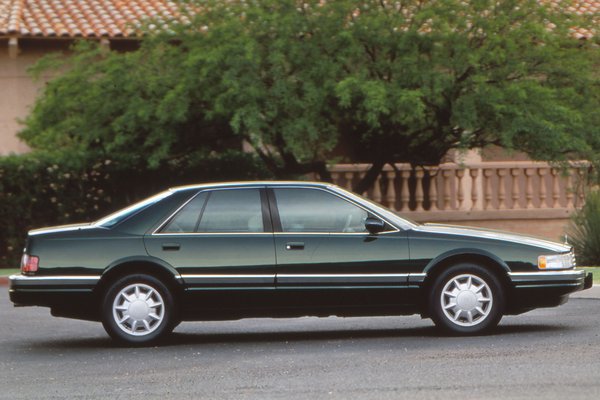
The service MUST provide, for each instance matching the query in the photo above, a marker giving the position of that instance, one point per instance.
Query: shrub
(585, 231)
(39, 189)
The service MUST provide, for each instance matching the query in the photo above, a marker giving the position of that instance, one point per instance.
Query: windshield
(383, 211)
(121, 215)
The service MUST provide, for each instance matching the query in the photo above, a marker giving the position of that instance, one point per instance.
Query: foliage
(306, 82)
(40, 189)
(37, 190)
(585, 231)
(120, 106)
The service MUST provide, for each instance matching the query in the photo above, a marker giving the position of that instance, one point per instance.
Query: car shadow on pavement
(298, 336)
(187, 338)
(429, 332)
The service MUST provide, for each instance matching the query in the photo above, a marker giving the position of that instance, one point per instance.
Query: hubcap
(466, 300)
(138, 309)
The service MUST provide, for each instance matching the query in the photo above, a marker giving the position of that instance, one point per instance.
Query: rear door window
(220, 211)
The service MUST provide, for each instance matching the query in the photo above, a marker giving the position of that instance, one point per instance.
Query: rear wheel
(466, 299)
(138, 309)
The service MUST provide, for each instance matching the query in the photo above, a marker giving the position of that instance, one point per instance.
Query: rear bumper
(50, 291)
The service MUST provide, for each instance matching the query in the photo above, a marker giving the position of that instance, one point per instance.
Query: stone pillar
(516, 188)
(405, 194)
(419, 197)
(390, 193)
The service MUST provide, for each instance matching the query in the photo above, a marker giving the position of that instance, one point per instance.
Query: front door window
(312, 210)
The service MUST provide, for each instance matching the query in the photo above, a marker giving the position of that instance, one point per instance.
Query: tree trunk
(370, 178)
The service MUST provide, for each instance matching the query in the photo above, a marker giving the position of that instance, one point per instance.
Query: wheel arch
(141, 265)
(476, 256)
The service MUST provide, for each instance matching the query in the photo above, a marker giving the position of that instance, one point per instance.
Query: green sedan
(283, 249)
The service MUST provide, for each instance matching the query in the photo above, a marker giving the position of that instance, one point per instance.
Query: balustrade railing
(481, 186)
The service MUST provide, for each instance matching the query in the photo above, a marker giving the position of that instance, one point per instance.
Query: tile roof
(84, 18)
(581, 7)
(119, 18)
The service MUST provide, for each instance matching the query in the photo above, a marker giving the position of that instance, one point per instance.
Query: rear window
(121, 215)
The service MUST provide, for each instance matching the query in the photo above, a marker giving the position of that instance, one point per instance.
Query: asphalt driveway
(545, 354)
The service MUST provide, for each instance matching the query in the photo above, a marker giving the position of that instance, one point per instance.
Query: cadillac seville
(283, 249)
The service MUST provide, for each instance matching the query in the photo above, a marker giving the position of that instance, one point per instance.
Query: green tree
(120, 106)
(305, 83)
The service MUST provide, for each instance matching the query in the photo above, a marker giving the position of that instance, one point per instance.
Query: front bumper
(589, 281)
(569, 281)
(544, 288)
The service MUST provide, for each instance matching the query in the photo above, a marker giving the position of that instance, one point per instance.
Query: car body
(283, 249)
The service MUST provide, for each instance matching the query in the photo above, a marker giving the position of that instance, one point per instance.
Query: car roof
(216, 185)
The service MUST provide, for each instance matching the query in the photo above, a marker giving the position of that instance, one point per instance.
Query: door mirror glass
(374, 225)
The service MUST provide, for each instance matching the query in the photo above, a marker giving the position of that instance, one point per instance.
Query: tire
(138, 310)
(466, 299)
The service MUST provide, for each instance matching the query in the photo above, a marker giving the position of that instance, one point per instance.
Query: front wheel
(466, 299)
(138, 309)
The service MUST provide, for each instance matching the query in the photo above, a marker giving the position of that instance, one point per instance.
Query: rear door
(220, 239)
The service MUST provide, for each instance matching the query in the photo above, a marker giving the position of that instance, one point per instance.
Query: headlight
(557, 261)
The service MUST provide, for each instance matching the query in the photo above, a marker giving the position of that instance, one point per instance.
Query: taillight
(29, 263)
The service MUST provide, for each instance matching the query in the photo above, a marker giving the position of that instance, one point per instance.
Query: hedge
(38, 190)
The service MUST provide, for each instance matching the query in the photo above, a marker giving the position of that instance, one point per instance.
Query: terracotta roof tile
(581, 7)
(121, 18)
(84, 18)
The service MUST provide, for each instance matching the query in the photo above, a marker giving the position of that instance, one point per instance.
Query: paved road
(545, 354)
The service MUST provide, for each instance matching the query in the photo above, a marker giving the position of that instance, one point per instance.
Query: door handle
(294, 246)
(171, 246)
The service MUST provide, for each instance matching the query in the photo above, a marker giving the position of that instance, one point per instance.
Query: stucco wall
(18, 90)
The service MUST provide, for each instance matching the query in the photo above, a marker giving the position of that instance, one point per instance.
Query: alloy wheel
(466, 300)
(138, 309)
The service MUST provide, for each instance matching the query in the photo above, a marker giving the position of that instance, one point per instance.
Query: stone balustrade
(514, 185)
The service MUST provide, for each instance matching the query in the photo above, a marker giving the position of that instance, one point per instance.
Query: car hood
(491, 234)
(61, 228)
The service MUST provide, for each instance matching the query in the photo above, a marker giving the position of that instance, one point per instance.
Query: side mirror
(374, 225)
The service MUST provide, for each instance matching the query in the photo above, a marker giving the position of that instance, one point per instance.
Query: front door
(325, 256)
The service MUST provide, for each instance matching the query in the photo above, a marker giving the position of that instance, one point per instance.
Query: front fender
(465, 252)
